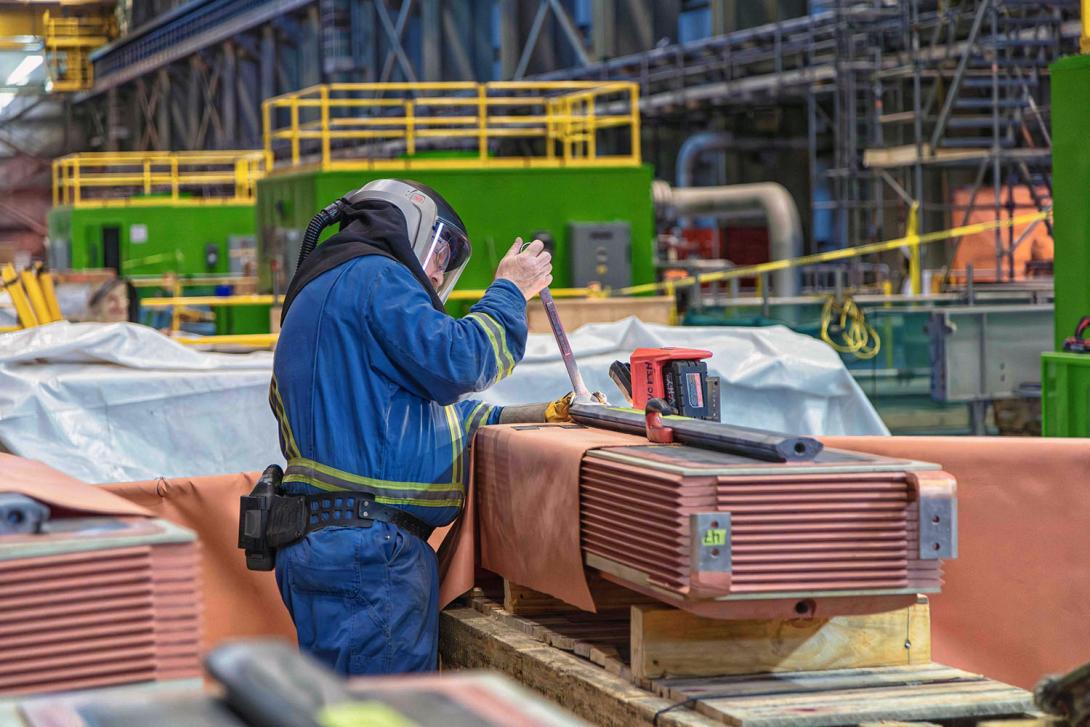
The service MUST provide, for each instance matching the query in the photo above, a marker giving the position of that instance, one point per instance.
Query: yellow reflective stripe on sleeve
(477, 417)
(454, 422)
(505, 362)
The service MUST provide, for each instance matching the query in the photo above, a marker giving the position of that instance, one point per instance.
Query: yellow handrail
(107, 179)
(68, 43)
(348, 125)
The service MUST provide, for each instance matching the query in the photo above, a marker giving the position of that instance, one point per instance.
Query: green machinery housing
(1065, 377)
(148, 213)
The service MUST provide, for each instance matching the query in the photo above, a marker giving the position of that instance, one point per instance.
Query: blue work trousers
(363, 600)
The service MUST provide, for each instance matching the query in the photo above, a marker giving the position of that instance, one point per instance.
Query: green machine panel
(1066, 376)
(1071, 191)
(146, 240)
(497, 205)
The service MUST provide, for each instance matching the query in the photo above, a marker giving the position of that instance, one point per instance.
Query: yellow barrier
(344, 125)
(252, 340)
(109, 179)
(14, 286)
(193, 281)
(211, 300)
(911, 241)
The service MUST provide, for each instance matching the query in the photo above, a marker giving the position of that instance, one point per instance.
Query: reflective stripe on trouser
(363, 600)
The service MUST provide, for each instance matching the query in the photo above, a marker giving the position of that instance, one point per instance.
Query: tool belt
(292, 517)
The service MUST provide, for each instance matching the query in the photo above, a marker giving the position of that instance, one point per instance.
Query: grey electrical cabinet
(600, 252)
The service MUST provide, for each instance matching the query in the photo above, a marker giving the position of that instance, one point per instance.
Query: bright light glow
(6, 97)
(21, 74)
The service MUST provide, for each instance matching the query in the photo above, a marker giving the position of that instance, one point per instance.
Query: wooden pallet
(848, 696)
(914, 689)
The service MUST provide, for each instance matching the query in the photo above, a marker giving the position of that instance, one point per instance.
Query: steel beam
(264, 13)
(393, 38)
(603, 34)
(431, 46)
(162, 116)
(453, 33)
(229, 97)
(268, 62)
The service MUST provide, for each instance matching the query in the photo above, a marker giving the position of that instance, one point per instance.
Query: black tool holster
(262, 518)
(268, 520)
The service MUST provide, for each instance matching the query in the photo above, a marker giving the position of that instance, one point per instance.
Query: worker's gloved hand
(560, 410)
(530, 269)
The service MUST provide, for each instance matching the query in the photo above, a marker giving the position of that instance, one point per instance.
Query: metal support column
(229, 97)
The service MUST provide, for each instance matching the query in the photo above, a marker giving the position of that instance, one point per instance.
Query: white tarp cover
(121, 402)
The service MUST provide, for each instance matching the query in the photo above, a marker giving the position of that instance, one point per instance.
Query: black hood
(371, 227)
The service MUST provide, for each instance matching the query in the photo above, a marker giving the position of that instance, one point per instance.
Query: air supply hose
(329, 216)
(845, 327)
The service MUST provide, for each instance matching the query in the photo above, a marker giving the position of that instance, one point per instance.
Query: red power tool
(678, 376)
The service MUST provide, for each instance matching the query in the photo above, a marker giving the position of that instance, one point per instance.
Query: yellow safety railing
(107, 179)
(912, 241)
(501, 124)
(68, 43)
(32, 294)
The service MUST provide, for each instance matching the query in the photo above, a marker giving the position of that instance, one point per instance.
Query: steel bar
(754, 443)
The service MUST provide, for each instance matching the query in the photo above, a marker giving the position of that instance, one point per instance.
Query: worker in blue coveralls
(368, 385)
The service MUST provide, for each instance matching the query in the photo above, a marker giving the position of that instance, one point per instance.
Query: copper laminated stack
(727, 536)
(96, 602)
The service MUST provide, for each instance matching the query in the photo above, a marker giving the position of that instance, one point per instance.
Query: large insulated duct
(784, 226)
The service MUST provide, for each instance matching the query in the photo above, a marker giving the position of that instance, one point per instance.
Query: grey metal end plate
(938, 527)
(710, 533)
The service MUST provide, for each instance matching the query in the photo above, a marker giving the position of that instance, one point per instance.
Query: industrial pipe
(697, 145)
(784, 226)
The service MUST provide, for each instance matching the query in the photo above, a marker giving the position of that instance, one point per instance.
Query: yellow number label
(715, 537)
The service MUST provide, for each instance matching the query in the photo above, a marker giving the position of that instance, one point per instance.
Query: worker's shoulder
(374, 277)
(375, 264)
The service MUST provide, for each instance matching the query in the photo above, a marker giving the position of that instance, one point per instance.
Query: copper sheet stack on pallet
(99, 601)
(730, 537)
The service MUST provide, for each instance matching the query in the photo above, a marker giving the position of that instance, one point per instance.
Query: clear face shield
(445, 256)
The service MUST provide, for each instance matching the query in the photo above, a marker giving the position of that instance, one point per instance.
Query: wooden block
(670, 641)
(523, 601)
(608, 596)
(576, 312)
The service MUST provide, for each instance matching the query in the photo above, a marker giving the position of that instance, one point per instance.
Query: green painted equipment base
(1065, 394)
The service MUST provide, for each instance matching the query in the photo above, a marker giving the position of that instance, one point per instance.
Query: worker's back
(368, 405)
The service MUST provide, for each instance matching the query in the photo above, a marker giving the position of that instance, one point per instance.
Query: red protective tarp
(1016, 602)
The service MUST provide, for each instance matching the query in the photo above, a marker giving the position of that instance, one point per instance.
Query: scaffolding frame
(900, 99)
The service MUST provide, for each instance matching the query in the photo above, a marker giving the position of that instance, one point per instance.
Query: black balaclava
(371, 227)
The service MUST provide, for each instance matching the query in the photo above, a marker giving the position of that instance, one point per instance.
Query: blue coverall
(366, 386)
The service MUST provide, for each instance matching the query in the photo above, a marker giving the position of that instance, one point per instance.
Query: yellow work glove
(560, 410)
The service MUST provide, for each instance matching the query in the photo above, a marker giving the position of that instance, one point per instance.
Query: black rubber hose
(330, 215)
